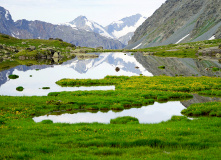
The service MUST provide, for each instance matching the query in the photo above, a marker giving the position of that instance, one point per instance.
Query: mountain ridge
(121, 30)
(25, 29)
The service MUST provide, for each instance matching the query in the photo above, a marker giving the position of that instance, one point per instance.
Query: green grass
(204, 109)
(124, 120)
(178, 138)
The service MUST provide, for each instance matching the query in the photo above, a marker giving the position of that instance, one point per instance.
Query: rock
(1, 59)
(1, 47)
(28, 49)
(32, 48)
(212, 51)
(59, 39)
(56, 55)
(117, 69)
(100, 48)
(220, 46)
(21, 57)
(68, 48)
(51, 39)
(23, 43)
(218, 55)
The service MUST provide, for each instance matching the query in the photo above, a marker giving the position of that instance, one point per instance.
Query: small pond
(148, 114)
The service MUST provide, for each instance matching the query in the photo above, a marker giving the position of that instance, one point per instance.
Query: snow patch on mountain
(7, 15)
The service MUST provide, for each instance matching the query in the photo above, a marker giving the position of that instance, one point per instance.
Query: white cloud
(60, 11)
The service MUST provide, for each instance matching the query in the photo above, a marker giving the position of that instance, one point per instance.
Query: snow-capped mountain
(82, 22)
(124, 26)
(121, 30)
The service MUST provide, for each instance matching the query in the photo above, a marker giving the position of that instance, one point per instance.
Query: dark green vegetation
(178, 138)
(124, 120)
(161, 67)
(13, 76)
(20, 88)
(45, 87)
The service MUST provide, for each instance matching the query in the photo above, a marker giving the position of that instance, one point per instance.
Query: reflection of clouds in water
(151, 114)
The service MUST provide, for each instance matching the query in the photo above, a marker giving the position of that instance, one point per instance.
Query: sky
(103, 12)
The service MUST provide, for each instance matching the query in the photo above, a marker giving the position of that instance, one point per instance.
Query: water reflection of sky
(91, 68)
(150, 114)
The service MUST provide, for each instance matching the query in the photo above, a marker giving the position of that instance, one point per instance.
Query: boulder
(56, 55)
(59, 39)
(23, 43)
(100, 48)
(1, 47)
(32, 48)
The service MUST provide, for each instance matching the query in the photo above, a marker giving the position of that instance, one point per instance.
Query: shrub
(13, 76)
(215, 69)
(124, 120)
(161, 67)
(45, 87)
(20, 88)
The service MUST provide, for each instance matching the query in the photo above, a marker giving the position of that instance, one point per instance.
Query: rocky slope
(24, 29)
(179, 21)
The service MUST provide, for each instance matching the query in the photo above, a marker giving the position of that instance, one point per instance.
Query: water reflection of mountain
(125, 62)
(106, 63)
(4, 74)
(178, 66)
(199, 99)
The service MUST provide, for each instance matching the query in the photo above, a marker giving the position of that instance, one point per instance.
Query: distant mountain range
(25, 29)
(179, 21)
(121, 30)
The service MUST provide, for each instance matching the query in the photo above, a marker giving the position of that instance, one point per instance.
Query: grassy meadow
(123, 138)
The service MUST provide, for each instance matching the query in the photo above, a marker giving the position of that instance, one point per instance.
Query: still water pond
(149, 114)
(34, 78)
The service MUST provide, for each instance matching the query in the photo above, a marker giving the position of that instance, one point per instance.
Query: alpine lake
(40, 80)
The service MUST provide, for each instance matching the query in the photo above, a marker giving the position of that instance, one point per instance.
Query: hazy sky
(59, 11)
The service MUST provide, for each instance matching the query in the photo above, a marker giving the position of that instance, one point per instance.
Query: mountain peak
(5, 14)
